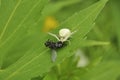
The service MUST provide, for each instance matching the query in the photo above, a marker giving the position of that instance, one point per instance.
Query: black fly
(54, 46)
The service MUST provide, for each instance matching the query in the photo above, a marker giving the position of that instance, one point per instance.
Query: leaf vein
(19, 24)
(37, 56)
(9, 19)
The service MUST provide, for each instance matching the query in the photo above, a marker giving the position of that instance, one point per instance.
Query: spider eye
(64, 32)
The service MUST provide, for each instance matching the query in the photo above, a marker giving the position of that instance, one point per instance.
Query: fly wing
(54, 55)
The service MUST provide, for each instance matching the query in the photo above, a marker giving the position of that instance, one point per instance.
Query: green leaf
(116, 18)
(104, 71)
(0, 3)
(36, 59)
(85, 43)
(56, 6)
(16, 19)
(50, 76)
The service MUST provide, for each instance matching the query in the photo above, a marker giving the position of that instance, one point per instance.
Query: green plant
(23, 55)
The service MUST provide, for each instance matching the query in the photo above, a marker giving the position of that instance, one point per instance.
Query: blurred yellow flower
(50, 23)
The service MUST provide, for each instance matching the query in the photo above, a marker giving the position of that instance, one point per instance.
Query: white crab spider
(64, 34)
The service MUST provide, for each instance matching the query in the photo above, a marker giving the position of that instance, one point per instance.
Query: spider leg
(65, 39)
(54, 36)
(73, 32)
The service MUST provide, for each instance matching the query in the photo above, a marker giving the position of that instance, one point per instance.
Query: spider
(64, 35)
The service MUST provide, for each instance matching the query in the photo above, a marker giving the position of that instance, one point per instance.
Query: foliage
(23, 55)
